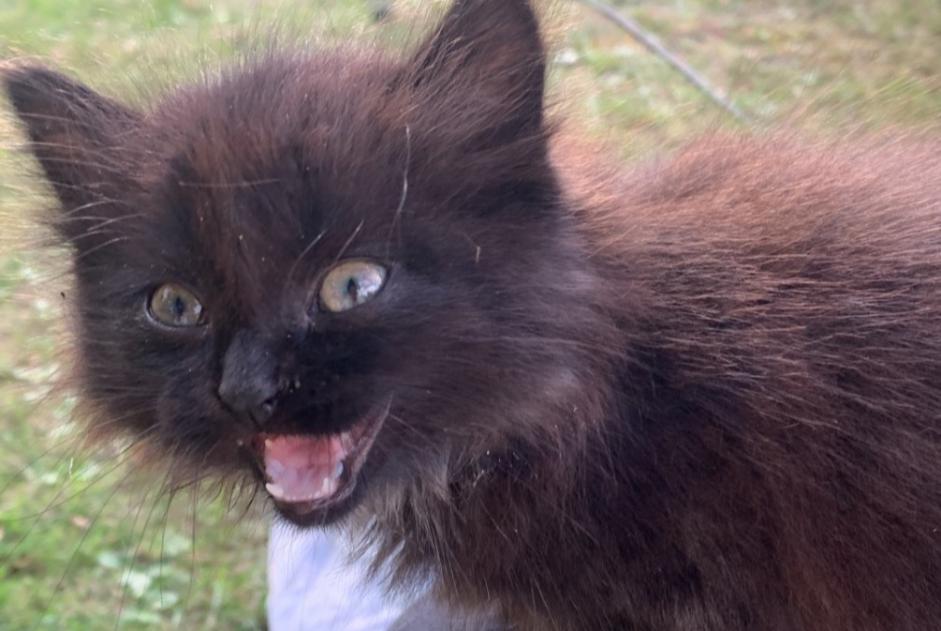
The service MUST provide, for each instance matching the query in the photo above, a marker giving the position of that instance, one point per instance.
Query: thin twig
(652, 43)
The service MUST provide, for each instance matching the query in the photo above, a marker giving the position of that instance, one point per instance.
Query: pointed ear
(72, 132)
(489, 54)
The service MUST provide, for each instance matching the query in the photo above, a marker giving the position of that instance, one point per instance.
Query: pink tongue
(303, 468)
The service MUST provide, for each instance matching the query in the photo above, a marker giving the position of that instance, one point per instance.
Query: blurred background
(82, 546)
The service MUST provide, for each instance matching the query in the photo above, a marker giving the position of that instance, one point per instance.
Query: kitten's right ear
(72, 130)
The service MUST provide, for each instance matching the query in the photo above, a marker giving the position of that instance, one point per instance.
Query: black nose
(250, 383)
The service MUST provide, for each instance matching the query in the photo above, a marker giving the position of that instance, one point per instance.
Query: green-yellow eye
(350, 284)
(176, 306)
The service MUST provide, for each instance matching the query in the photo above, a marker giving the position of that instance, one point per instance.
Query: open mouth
(307, 474)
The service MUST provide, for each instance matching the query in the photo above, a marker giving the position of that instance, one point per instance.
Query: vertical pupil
(352, 288)
(179, 307)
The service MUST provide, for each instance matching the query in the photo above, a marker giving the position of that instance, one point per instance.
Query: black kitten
(704, 394)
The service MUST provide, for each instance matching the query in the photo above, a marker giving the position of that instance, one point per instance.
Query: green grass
(77, 543)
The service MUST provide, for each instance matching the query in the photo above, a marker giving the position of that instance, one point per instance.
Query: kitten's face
(327, 271)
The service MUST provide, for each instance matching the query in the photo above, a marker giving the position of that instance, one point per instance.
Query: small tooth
(267, 442)
(325, 487)
(275, 490)
(338, 470)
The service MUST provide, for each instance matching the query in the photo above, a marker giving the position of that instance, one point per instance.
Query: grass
(77, 543)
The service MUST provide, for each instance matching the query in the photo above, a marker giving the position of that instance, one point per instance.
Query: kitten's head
(346, 273)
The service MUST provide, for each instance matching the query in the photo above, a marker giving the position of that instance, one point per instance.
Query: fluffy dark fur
(704, 394)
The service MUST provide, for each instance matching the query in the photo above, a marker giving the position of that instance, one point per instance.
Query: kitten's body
(780, 391)
(701, 395)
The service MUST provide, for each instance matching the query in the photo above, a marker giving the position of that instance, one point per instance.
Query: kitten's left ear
(489, 55)
(73, 132)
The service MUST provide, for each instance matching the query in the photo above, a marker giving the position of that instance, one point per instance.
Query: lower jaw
(315, 514)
